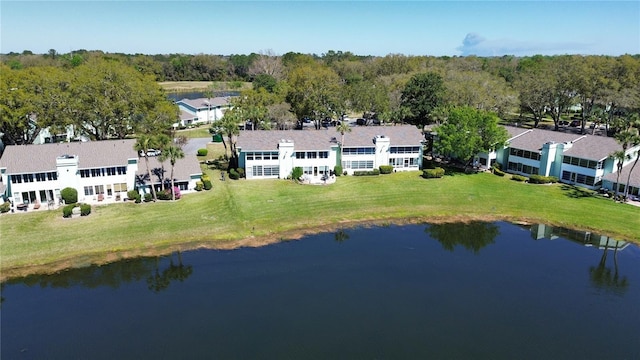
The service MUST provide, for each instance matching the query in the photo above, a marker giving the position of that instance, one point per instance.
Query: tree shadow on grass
(576, 192)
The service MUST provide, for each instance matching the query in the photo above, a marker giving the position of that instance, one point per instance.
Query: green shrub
(498, 172)
(337, 170)
(203, 152)
(233, 174)
(132, 194)
(164, 194)
(539, 179)
(5, 207)
(138, 199)
(69, 195)
(148, 197)
(433, 173)
(296, 173)
(67, 210)
(518, 178)
(373, 172)
(199, 185)
(386, 169)
(205, 178)
(206, 184)
(85, 209)
(240, 172)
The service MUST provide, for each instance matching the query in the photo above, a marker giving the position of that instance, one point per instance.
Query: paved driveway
(192, 146)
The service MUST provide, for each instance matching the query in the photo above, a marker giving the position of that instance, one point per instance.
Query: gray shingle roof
(184, 168)
(593, 147)
(92, 154)
(590, 147)
(322, 139)
(184, 115)
(635, 176)
(201, 103)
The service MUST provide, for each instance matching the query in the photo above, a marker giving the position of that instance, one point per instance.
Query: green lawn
(201, 131)
(243, 212)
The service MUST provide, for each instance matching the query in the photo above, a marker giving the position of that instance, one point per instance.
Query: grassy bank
(246, 213)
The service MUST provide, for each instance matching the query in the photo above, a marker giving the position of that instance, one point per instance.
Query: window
(584, 163)
(271, 170)
(312, 154)
(358, 151)
(566, 176)
(120, 187)
(27, 177)
(111, 171)
(84, 173)
(249, 156)
(16, 179)
(41, 177)
(323, 154)
(404, 149)
(299, 154)
(257, 170)
(566, 159)
(575, 161)
(367, 164)
(122, 170)
(52, 176)
(88, 190)
(99, 189)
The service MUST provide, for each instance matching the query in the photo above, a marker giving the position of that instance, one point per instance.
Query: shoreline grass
(257, 212)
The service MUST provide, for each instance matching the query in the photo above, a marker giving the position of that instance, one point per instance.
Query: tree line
(116, 95)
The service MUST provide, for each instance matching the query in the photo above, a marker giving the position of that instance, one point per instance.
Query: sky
(379, 28)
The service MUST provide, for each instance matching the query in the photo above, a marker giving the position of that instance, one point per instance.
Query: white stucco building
(274, 154)
(98, 170)
(202, 110)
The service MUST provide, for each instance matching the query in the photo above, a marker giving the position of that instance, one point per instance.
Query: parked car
(575, 123)
(361, 121)
(150, 152)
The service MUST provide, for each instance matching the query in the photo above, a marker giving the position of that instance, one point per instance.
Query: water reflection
(472, 236)
(160, 280)
(154, 270)
(601, 276)
(340, 236)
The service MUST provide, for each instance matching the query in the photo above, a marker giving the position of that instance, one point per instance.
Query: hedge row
(386, 169)
(539, 179)
(433, 173)
(518, 178)
(373, 172)
(67, 210)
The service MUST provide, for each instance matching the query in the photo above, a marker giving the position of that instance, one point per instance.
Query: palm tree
(162, 142)
(172, 153)
(142, 145)
(343, 128)
(634, 141)
(618, 156)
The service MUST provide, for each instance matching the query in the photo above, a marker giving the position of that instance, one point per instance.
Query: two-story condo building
(583, 160)
(98, 170)
(274, 154)
(202, 110)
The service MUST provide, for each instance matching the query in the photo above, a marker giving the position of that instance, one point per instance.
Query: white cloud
(475, 44)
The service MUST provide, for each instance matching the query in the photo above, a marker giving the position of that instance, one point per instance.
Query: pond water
(463, 291)
(198, 94)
